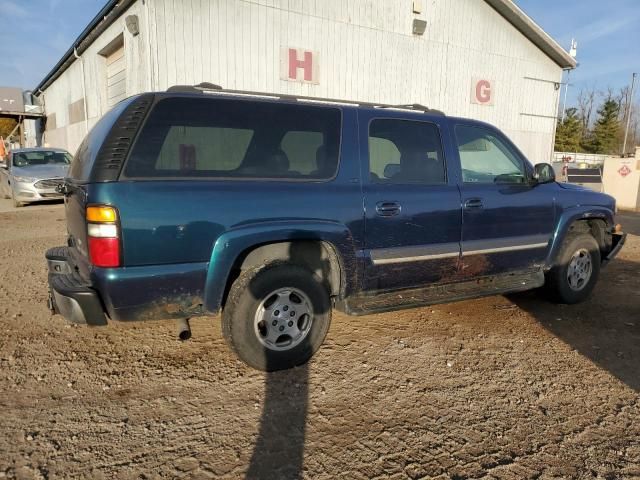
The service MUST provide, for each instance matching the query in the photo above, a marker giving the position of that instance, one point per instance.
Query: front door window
(485, 158)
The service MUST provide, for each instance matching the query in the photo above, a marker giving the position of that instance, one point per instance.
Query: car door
(507, 221)
(412, 204)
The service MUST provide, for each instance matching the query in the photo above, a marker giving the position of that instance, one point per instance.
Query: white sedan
(33, 174)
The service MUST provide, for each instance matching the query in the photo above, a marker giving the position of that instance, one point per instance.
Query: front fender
(233, 243)
(567, 217)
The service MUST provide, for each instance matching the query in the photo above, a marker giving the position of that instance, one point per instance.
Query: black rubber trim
(70, 295)
(116, 146)
(57, 254)
(618, 240)
(76, 303)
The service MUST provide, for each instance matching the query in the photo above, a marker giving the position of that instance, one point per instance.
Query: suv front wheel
(276, 317)
(575, 276)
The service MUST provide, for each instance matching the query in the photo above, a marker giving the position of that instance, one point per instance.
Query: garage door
(116, 76)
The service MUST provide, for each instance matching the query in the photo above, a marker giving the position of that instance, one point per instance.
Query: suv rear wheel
(276, 317)
(576, 274)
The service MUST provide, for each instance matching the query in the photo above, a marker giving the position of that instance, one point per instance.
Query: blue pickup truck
(274, 210)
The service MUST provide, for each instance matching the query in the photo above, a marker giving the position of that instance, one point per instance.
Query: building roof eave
(530, 29)
(103, 19)
(114, 8)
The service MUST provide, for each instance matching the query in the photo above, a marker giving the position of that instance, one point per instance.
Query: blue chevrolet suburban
(275, 209)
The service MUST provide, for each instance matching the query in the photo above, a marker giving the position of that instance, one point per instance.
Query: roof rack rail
(199, 88)
(211, 88)
(414, 106)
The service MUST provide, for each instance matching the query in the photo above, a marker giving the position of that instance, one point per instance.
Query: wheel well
(317, 256)
(597, 228)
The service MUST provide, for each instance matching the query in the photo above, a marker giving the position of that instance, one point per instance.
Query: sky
(34, 34)
(608, 36)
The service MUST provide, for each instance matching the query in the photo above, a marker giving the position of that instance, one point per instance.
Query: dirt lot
(497, 388)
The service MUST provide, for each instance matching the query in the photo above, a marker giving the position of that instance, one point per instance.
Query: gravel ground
(501, 387)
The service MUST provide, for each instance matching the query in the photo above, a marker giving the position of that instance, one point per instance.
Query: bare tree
(586, 102)
(623, 100)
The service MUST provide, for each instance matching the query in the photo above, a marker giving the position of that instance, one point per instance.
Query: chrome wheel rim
(580, 269)
(283, 319)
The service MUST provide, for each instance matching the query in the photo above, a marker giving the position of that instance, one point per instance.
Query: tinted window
(485, 158)
(204, 137)
(303, 150)
(404, 151)
(86, 154)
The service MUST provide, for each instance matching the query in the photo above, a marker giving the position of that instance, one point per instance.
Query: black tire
(245, 298)
(558, 284)
(16, 204)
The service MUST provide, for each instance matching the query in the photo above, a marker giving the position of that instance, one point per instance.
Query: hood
(40, 172)
(578, 195)
(573, 186)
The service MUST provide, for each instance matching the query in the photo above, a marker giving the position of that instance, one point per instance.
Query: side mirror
(391, 170)
(544, 173)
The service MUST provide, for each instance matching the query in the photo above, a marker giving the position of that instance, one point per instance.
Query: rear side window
(84, 159)
(405, 151)
(204, 137)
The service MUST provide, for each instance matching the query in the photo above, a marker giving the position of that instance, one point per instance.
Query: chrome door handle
(388, 209)
(473, 203)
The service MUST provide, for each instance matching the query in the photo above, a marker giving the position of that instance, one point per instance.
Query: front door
(412, 205)
(507, 221)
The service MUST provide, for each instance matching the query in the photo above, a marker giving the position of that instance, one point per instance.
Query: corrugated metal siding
(67, 88)
(366, 52)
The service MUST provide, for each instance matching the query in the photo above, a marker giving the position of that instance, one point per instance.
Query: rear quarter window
(85, 156)
(187, 137)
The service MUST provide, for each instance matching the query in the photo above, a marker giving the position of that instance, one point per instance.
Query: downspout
(556, 120)
(152, 80)
(84, 91)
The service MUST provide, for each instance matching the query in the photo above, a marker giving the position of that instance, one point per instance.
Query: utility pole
(626, 130)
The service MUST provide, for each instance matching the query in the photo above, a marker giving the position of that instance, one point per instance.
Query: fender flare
(567, 218)
(233, 243)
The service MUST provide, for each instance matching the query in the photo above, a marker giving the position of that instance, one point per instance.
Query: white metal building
(483, 59)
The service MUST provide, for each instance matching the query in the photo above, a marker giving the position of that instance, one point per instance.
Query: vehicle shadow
(278, 452)
(42, 203)
(605, 328)
(279, 448)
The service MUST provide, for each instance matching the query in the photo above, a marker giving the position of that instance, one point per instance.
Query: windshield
(44, 157)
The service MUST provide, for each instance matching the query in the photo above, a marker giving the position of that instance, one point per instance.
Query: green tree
(605, 131)
(569, 132)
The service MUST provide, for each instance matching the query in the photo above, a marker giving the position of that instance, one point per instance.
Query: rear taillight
(103, 235)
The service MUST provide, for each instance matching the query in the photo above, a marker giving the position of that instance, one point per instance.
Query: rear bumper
(69, 295)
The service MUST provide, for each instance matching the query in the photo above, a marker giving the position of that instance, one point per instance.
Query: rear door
(507, 221)
(412, 202)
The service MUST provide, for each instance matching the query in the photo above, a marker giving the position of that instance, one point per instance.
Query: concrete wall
(364, 49)
(621, 178)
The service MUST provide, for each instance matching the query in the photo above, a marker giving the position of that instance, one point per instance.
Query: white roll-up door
(116, 76)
